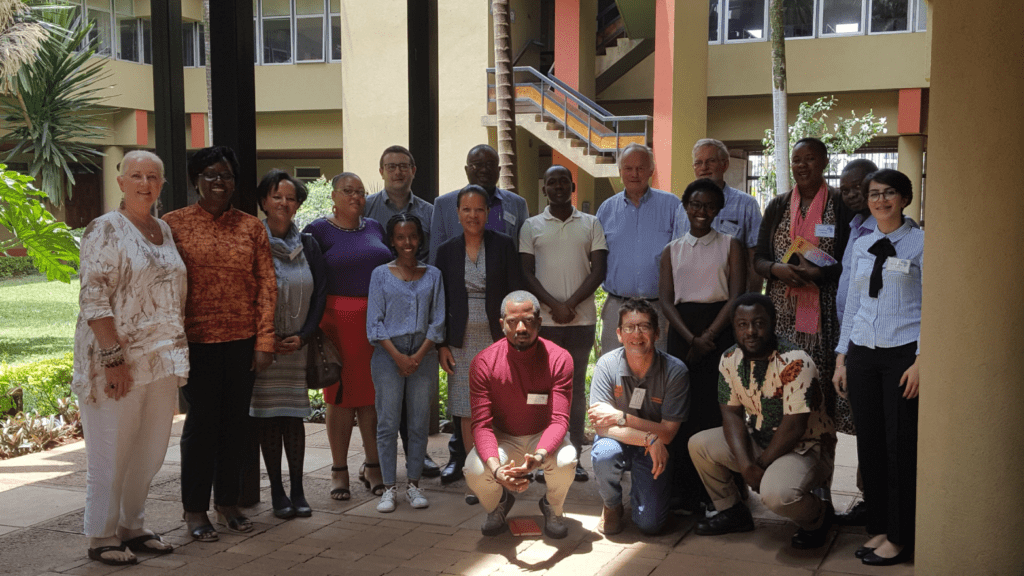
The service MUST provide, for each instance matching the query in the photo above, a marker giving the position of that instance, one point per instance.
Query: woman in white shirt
(700, 275)
(877, 365)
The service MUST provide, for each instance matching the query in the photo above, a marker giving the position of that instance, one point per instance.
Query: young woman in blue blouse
(877, 365)
(404, 319)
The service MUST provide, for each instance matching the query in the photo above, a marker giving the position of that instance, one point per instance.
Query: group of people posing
(705, 386)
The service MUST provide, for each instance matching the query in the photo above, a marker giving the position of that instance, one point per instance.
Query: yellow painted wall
(329, 167)
(320, 130)
(375, 95)
(464, 50)
(315, 86)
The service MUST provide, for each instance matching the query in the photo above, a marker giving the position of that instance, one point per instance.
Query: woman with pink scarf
(813, 216)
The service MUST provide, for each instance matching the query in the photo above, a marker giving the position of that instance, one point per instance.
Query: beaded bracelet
(112, 357)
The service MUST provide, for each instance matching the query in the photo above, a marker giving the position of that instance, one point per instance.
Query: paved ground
(42, 498)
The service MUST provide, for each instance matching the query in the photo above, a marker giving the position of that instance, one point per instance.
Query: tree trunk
(505, 103)
(209, 81)
(781, 126)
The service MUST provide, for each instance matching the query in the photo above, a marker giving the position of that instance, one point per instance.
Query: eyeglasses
(644, 328)
(404, 167)
(888, 194)
(701, 206)
(140, 178)
(213, 176)
(528, 321)
(351, 192)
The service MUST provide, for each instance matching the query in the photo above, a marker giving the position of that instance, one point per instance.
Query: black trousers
(218, 391)
(886, 437)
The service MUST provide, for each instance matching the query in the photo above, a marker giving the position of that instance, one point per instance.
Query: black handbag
(323, 362)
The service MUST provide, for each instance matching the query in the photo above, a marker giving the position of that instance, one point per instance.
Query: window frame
(290, 18)
(911, 17)
(724, 27)
(324, 22)
(820, 28)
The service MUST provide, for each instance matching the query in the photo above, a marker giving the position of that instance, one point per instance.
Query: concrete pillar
(111, 191)
(375, 91)
(575, 55)
(911, 162)
(970, 461)
(680, 89)
(464, 52)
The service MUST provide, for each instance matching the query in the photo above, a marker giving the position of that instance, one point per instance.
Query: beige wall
(329, 167)
(970, 461)
(320, 130)
(464, 50)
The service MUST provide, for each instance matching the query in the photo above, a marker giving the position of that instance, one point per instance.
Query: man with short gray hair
(520, 393)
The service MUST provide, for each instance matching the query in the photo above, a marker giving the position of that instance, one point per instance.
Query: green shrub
(11, 266)
(44, 383)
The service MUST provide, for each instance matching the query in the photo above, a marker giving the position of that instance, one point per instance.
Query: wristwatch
(622, 420)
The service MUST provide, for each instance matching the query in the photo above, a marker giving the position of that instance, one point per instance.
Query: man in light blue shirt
(863, 223)
(507, 210)
(398, 169)
(740, 217)
(638, 224)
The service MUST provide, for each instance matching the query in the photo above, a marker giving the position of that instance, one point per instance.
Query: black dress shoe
(873, 559)
(811, 539)
(862, 552)
(735, 519)
(430, 468)
(581, 474)
(857, 516)
(451, 473)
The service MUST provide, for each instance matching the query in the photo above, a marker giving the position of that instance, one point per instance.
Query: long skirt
(280, 389)
(344, 323)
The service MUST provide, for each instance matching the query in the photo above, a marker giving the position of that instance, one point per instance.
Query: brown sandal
(377, 489)
(340, 493)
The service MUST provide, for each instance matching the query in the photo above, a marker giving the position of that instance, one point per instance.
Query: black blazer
(317, 300)
(503, 276)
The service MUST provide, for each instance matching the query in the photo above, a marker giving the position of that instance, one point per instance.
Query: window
(746, 20)
(147, 42)
(309, 30)
(128, 39)
(307, 175)
(842, 17)
(289, 31)
(99, 14)
(277, 31)
(890, 15)
(798, 18)
(336, 30)
(714, 21)
(922, 16)
(193, 48)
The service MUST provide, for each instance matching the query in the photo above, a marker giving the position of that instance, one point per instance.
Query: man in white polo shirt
(564, 257)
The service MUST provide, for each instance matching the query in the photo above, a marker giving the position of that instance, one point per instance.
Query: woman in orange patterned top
(229, 322)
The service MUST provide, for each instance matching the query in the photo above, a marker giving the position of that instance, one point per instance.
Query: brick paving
(42, 498)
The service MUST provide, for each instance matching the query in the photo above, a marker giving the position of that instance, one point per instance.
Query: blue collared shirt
(445, 224)
(894, 318)
(380, 207)
(636, 235)
(860, 225)
(739, 218)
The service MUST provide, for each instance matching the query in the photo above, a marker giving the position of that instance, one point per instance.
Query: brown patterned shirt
(232, 289)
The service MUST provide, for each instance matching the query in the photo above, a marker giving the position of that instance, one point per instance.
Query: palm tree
(504, 98)
(20, 39)
(779, 97)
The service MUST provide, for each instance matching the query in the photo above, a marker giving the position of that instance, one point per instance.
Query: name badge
(825, 230)
(536, 398)
(730, 228)
(637, 400)
(897, 265)
(510, 218)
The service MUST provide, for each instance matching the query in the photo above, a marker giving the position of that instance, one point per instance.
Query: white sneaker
(415, 497)
(387, 500)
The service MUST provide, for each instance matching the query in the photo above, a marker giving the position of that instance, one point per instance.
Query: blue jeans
(392, 391)
(649, 496)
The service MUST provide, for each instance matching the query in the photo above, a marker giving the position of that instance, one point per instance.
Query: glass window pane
(202, 45)
(309, 7)
(101, 31)
(277, 41)
(309, 39)
(889, 15)
(336, 38)
(713, 21)
(147, 41)
(746, 19)
(128, 39)
(798, 18)
(124, 7)
(255, 43)
(841, 17)
(188, 44)
(922, 16)
(277, 8)
(335, 6)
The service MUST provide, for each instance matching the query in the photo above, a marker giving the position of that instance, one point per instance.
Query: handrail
(580, 103)
(551, 76)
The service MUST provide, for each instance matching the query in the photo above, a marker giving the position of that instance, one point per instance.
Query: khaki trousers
(785, 488)
(559, 470)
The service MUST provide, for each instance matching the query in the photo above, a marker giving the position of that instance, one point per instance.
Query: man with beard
(788, 452)
(520, 393)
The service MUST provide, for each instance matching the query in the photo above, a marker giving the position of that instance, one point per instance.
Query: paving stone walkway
(42, 498)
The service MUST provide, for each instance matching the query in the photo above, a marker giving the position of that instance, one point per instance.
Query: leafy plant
(12, 266)
(57, 97)
(846, 135)
(48, 242)
(318, 203)
(20, 38)
(45, 384)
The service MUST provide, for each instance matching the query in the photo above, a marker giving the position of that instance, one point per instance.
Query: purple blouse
(351, 256)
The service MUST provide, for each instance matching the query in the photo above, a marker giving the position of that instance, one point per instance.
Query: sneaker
(735, 519)
(554, 526)
(387, 500)
(415, 497)
(495, 524)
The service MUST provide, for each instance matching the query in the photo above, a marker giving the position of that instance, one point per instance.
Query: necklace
(401, 270)
(361, 225)
(147, 229)
(298, 308)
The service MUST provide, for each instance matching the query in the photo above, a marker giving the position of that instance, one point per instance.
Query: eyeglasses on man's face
(404, 167)
(643, 328)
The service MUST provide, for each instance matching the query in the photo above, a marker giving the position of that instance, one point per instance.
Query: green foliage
(49, 243)
(33, 432)
(12, 266)
(54, 112)
(845, 137)
(318, 203)
(44, 384)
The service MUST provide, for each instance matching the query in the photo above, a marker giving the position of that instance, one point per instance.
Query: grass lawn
(37, 319)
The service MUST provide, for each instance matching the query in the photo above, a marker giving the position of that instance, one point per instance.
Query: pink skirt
(344, 323)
